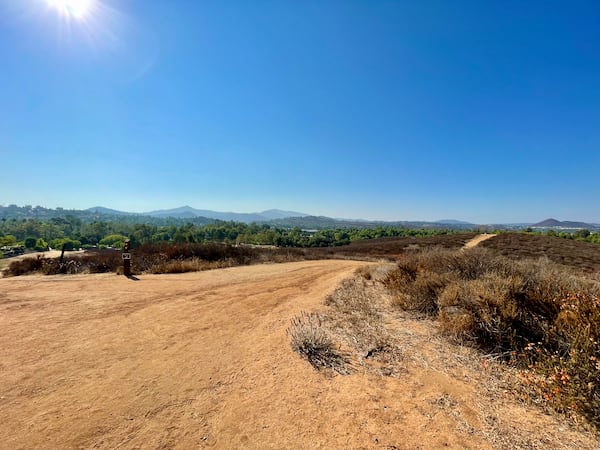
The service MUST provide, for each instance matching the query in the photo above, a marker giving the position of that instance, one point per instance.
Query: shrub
(183, 266)
(311, 341)
(484, 311)
(531, 313)
(25, 266)
(167, 258)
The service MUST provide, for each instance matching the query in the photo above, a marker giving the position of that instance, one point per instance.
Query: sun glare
(75, 9)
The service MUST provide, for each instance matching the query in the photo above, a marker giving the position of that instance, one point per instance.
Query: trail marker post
(126, 259)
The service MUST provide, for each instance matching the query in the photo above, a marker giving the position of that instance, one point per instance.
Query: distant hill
(565, 224)
(189, 212)
(112, 212)
(454, 222)
(322, 223)
(273, 214)
(274, 217)
(184, 214)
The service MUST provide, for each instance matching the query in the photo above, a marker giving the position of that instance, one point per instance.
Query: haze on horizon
(480, 111)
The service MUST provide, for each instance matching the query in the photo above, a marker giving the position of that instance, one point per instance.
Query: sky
(484, 111)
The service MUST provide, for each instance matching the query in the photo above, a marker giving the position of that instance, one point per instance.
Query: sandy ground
(478, 239)
(202, 360)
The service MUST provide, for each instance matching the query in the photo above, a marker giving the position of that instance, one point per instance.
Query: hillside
(566, 224)
(189, 212)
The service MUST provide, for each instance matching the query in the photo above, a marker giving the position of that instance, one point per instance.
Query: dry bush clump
(366, 272)
(563, 370)
(532, 314)
(158, 258)
(46, 266)
(356, 316)
(355, 319)
(25, 266)
(179, 266)
(310, 339)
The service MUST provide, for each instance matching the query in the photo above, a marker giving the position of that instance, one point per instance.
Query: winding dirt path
(478, 239)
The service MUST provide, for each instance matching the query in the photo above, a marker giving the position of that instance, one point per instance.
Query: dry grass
(532, 314)
(311, 340)
(380, 339)
(355, 319)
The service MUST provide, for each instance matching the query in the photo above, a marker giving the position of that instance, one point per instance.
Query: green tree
(41, 245)
(30, 242)
(113, 240)
(69, 244)
(9, 240)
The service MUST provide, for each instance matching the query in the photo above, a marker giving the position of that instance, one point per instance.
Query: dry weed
(310, 339)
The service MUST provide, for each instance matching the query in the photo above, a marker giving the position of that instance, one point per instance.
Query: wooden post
(126, 259)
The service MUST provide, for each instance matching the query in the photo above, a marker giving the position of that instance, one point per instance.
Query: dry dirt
(478, 239)
(202, 360)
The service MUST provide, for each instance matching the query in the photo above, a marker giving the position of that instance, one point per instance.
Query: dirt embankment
(202, 360)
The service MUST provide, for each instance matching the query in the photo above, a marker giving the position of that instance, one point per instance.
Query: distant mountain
(189, 212)
(113, 212)
(454, 222)
(273, 214)
(281, 218)
(553, 223)
(322, 222)
(275, 217)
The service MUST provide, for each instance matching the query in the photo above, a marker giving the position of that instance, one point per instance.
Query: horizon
(477, 111)
(308, 214)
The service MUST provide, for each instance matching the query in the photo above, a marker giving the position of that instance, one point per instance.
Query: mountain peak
(553, 223)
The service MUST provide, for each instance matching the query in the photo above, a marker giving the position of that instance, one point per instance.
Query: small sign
(126, 255)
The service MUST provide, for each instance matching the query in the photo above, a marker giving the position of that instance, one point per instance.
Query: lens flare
(73, 9)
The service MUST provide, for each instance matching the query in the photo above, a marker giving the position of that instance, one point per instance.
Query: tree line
(73, 232)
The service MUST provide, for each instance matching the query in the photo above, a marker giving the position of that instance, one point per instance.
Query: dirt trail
(202, 360)
(478, 239)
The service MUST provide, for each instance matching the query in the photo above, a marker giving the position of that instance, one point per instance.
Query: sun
(73, 9)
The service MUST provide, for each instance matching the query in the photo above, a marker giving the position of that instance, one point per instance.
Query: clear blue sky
(487, 111)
